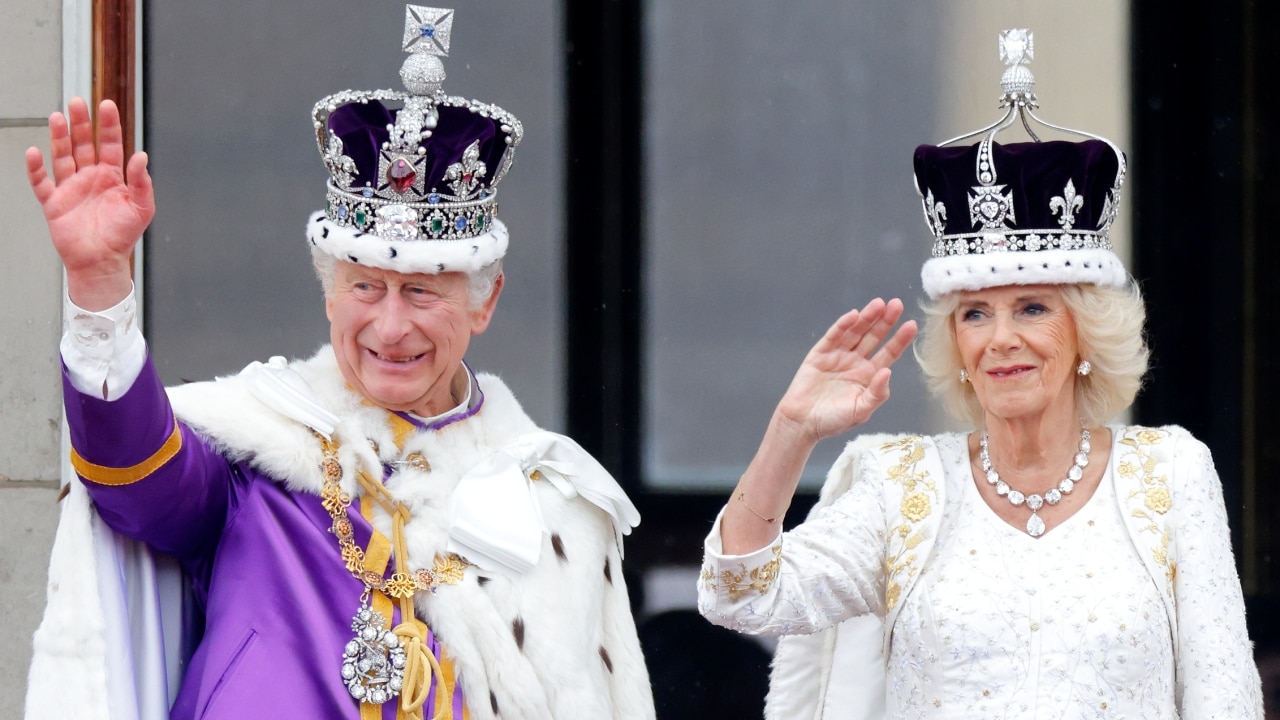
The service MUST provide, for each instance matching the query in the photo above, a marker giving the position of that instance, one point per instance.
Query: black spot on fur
(360, 234)
(493, 702)
(319, 218)
(475, 249)
(313, 240)
(353, 259)
(517, 629)
(1067, 263)
(439, 267)
(324, 232)
(558, 545)
(604, 655)
(482, 580)
(392, 251)
(608, 572)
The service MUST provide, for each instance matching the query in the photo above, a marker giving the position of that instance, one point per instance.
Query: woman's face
(1018, 344)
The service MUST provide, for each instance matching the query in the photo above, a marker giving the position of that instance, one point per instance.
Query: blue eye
(1035, 309)
(971, 314)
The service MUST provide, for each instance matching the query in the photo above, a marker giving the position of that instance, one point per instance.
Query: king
(375, 531)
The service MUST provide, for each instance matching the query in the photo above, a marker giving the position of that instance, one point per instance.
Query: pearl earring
(964, 375)
(1084, 368)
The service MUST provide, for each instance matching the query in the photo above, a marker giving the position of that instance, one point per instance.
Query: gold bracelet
(742, 498)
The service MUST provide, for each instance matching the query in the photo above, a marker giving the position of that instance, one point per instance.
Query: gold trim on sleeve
(103, 475)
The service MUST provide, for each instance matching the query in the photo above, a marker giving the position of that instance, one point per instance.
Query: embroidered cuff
(734, 576)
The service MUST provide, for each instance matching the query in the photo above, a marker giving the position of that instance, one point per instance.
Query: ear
(481, 316)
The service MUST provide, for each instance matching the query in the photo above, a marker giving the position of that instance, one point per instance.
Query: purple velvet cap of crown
(362, 127)
(1035, 172)
(1042, 218)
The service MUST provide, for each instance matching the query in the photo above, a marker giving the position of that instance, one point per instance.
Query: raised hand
(842, 381)
(845, 378)
(96, 208)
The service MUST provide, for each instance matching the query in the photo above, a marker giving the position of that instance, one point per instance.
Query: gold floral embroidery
(920, 495)
(1140, 466)
(915, 506)
(758, 579)
(709, 579)
(1158, 499)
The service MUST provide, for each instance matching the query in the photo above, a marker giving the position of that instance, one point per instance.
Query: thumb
(141, 192)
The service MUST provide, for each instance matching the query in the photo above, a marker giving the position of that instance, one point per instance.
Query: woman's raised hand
(95, 206)
(845, 377)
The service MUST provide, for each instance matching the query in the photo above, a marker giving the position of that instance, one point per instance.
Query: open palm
(96, 208)
(845, 378)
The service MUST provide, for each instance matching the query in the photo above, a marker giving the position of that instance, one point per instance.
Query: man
(375, 532)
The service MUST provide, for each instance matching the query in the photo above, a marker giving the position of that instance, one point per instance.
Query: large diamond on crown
(991, 206)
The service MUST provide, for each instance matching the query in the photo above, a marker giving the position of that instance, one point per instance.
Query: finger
(878, 389)
(141, 191)
(64, 166)
(110, 135)
(40, 181)
(82, 149)
(851, 333)
(880, 328)
(896, 345)
(833, 337)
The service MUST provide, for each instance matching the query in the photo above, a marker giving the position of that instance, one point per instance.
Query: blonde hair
(1109, 332)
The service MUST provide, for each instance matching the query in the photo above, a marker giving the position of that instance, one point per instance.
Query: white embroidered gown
(1001, 625)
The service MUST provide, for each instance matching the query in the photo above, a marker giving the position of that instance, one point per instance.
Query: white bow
(497, 521)
(283, 389)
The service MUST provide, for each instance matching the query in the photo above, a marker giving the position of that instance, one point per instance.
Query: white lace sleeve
(1216, 674)
(826, 570)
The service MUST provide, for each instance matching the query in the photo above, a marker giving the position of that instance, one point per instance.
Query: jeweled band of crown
(415, 192)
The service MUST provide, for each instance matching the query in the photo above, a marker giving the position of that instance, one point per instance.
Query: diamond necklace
(1035, 524)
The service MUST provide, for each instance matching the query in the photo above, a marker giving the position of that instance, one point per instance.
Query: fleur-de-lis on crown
(464, 176)
(341, 167)
(935, 214)
(1066, 205)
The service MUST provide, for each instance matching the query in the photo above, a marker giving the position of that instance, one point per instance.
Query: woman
(1045, 564)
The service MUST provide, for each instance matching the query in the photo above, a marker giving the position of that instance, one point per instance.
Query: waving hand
(842, 381)
(845, 377)
(96, 208)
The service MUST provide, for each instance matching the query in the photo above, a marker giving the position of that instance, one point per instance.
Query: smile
(1010, 372)
(388, 358)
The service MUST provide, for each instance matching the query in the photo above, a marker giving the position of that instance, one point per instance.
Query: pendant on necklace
(373, 661)
(1035, 524)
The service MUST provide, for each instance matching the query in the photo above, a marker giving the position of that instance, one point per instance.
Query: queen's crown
(428, 170)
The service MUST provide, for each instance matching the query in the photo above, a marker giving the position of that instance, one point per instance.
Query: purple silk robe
(265, 568)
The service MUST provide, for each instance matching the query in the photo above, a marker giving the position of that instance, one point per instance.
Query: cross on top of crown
(1016, 46)
(427, 29)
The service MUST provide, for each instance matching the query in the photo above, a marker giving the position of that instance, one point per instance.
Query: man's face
(400, 339)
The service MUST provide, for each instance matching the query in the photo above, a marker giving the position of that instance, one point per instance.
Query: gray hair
(1109, 332)
(480, 283)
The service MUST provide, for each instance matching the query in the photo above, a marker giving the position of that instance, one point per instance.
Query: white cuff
(713, 548)
(104, 351)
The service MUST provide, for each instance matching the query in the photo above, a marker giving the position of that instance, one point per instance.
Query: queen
(1044, 564)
